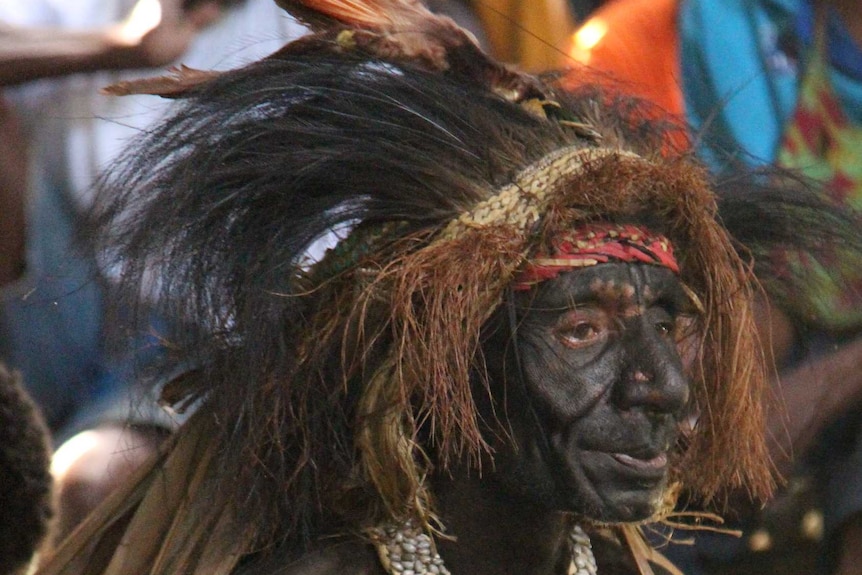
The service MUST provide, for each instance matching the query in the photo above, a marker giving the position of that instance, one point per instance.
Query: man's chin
(613, 493)
(630, 507)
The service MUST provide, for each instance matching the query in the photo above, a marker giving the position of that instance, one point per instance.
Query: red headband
(595, 244)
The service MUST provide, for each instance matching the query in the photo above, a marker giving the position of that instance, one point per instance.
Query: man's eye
(576, 333)
(666, 328)
(668, 324)
(583, 331)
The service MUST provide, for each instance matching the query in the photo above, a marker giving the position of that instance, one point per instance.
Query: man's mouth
(654, 466)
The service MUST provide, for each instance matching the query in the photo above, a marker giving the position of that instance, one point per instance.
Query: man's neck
(497, 534)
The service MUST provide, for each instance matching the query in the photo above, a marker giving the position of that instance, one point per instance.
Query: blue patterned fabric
(741, 61)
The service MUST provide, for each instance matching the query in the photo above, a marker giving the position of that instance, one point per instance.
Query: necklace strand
(407, 550)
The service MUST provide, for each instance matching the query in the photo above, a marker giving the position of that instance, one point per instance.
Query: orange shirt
(633, 46)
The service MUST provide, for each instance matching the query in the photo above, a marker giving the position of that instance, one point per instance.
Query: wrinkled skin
(603, 392)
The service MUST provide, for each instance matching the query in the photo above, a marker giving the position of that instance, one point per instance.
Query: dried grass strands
(154, 525)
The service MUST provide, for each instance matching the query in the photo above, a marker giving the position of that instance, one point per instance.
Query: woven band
(594, 244)
(521, 203)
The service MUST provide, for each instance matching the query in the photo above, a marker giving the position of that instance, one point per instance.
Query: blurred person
(770, 82)
(153, 34)
(28, 53)
(50, 319)
(51, 315)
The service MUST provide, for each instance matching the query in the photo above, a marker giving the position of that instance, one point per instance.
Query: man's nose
(653, 378)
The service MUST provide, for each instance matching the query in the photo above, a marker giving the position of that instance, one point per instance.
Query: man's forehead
(613, 282)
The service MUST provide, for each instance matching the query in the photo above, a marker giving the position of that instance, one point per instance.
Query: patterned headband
(594, 244)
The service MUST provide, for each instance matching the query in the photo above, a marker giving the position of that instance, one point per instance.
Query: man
(432, 319)
(772, 82)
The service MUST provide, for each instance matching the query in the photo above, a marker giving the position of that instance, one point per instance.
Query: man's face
(603, 391)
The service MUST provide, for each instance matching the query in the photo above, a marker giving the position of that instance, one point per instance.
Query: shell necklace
(407, 550)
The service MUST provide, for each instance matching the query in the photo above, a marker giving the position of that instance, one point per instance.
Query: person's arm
(156, 33)
(814, 394)
(809, 396)
(13, 182)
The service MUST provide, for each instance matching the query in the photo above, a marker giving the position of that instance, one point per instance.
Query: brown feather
(405, 31)
(88, 549)
(402, 31)
(179, 80)
(370, 14)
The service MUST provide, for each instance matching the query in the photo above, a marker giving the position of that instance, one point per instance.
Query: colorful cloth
(820, 141)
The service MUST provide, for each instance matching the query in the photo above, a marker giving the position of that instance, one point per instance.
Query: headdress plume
(402, 31)
(330, 381)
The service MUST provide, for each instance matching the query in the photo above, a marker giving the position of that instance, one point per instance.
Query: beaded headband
(597, 243)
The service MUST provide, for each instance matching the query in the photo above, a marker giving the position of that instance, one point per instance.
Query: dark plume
(214, 211)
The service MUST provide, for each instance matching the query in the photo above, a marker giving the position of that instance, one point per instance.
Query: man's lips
(653, 467)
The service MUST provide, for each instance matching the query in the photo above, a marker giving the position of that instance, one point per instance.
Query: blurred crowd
(752, 82)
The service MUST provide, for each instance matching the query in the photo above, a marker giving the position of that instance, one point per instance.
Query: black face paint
(602, 394)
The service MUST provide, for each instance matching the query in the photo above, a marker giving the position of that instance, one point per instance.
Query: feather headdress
(329, 382)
